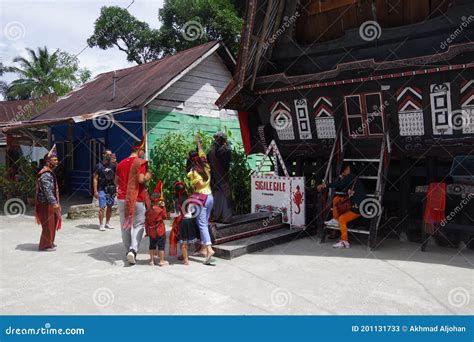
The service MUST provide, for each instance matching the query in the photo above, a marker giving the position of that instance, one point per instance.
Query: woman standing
(200, 176)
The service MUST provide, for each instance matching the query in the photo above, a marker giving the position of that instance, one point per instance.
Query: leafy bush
(168, 163)
(23, 188)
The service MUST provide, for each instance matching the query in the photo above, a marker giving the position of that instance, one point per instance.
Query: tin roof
(134, 86)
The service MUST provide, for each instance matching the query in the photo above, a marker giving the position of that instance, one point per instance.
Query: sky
(65, 25)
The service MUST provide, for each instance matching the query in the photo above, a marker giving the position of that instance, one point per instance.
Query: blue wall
(109, 135)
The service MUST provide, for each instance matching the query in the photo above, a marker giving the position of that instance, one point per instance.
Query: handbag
(198, 199)
(345, 204)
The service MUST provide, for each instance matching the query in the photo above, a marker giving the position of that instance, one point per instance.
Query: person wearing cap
(131, 176)
(219, 158)
(47, 208)
(155, 226)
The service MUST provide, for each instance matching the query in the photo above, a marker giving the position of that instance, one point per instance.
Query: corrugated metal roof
(133, 86)
(14, 112)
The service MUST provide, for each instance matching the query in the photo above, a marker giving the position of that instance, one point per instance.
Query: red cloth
(123, 174)
(135, 190)
(245, 131)
(154, 225)
(173, 250)
(435, 203)
(50, 220)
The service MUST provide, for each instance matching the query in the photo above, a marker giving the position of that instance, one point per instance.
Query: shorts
(159, 241)
(105, 200)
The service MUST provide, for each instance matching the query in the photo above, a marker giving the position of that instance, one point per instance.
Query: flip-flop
(209, 262)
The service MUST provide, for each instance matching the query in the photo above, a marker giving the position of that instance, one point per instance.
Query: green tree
(168, 163)
(43, 73)
(3, 84)
(185, 23)
(117, 27)
(190, 23)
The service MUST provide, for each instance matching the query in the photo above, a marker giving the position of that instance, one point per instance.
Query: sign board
(279, 194)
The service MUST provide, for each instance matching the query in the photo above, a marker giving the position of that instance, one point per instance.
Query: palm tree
(3, 84)
(43, 73)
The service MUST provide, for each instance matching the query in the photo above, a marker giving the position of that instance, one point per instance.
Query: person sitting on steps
(349, 183)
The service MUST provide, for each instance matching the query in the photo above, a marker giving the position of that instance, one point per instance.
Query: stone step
(244, 225)
(233, 249)
(81, 211)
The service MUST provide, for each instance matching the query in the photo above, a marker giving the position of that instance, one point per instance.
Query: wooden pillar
(431, 170)
(404, 201)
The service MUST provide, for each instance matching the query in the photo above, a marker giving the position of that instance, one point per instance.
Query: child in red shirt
(155, 227)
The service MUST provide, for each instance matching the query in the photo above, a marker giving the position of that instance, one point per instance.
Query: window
(364, 114)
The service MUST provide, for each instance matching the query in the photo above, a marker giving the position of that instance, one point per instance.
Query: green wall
(160, 123)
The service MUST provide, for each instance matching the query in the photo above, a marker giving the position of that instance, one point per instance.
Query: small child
(185, 230)
(155, 227)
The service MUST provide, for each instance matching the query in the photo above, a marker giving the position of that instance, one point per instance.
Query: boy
(154, 225)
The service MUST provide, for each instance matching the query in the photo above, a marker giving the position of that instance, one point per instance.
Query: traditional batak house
(116, 108)
(388, 85)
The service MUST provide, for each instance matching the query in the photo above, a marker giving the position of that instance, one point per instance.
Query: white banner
(283, 195)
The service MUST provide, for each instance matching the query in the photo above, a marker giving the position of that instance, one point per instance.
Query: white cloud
(66, 24)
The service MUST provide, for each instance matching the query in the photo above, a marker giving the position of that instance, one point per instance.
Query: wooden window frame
(365, 114)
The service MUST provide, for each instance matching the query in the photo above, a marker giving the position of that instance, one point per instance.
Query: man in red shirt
(131, 176)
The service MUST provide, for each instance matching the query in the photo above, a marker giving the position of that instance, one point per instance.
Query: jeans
(203, 220)
(131, 238)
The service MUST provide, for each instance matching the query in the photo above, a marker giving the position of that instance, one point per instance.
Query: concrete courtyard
(87, 275)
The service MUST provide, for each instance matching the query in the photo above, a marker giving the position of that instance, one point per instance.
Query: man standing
(132, 173)
(219, 158)
(47, 209)
(104, 188)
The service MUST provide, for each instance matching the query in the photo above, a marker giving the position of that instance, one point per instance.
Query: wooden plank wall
(197, 91)
(319, 22)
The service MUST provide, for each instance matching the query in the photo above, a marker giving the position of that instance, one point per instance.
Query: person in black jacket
(349, 183)
(219, 158)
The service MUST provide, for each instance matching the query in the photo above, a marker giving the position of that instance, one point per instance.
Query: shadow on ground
(27, 247)
(387, 250)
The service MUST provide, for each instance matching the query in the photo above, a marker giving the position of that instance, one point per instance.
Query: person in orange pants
(347, 182)
(343, 220)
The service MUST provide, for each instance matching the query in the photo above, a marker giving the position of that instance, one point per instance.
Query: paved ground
(87, 275)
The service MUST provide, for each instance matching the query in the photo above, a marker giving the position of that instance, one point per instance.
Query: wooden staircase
(373, 171)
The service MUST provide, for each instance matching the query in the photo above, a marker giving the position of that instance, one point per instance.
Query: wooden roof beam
(261, 42)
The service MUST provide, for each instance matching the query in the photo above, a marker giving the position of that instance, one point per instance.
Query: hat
(52, 154)
(141, 146)
(158, 192)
